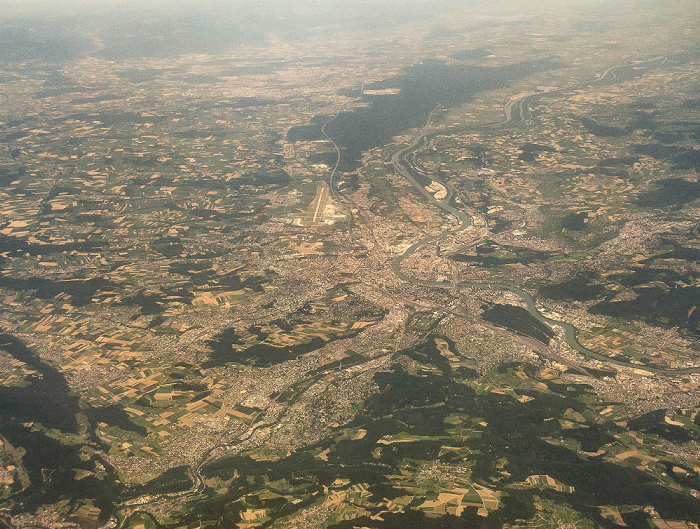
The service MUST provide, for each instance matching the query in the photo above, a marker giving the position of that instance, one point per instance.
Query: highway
(516, 111)
(402, 165)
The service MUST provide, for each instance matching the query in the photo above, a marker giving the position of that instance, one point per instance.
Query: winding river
(515, 112)
(402, 165)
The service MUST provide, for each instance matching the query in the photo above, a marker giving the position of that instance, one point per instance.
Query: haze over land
(332, 264)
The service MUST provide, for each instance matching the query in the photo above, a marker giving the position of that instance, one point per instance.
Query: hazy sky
(71, 7)
(58, 30)
(67, 29)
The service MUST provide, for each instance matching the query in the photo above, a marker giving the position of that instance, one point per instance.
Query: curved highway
(400, 161)
(520, 107)
(404, 167)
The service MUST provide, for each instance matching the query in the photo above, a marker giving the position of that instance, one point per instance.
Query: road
(402, 165)
(518, 110)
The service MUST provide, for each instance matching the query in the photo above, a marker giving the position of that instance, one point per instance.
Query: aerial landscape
(324, 264)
